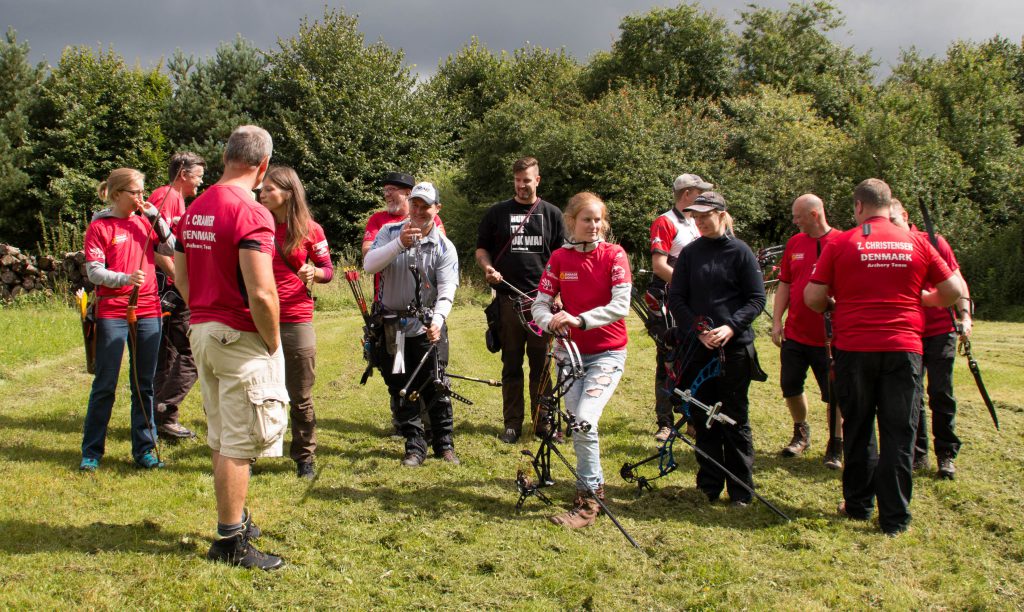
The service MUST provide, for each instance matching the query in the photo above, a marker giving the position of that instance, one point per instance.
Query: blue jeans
(111, 336)
(586, 400)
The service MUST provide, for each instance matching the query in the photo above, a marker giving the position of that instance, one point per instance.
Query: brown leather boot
(801, 440)
(583, 513)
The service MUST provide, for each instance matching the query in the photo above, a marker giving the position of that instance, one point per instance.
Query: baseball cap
(400, 179)
(426, 192)
(707, 201)
(684, 181)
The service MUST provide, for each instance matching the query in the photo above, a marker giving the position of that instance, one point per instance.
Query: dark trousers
(517, 343)
(730, 445)
(938, 358)
(438, 406)
(298, 341)
(111, 336)
(175, 369)
(883, 386)
(662, 391)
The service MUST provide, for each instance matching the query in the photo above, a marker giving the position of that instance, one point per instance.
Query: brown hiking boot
(583, 513)
(834, 454)
(801, 440)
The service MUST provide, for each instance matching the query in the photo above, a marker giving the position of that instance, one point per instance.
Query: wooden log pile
(22, 273)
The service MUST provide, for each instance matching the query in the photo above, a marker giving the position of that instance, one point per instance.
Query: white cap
(685, 181)
(426, 192)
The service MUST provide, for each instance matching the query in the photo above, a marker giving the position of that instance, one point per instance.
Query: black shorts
(796, 358)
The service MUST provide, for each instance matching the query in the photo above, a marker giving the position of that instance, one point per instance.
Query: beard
(393, 208)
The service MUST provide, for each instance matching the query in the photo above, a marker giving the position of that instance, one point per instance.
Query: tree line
(767, 110)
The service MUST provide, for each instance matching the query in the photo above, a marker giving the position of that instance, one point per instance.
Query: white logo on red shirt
(618, 274)
(545, 284)
(119, 238)
(97, 254)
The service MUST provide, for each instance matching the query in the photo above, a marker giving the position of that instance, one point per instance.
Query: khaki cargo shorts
(244, 394)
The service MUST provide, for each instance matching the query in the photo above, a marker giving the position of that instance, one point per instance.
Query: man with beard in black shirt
(515, 239)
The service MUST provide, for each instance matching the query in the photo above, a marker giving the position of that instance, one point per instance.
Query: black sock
(229, 530)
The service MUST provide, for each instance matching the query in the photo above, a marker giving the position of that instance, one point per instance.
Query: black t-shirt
(523, 261)
(717, 278)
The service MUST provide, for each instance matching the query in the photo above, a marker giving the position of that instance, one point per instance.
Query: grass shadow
(24, 537)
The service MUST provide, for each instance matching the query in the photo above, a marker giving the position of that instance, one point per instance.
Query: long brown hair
(297, 214)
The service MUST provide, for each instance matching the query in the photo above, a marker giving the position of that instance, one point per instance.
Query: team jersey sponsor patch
(320, 248)
(568, 276)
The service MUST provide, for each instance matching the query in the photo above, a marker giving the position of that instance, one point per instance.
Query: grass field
(369, 534)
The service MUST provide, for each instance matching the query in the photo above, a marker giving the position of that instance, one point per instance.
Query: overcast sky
(146, 30)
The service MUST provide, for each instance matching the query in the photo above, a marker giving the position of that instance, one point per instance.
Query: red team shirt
(172, 210)
(937, 320)
(117, 244)
(379, 219)
(895, 265)
(173, 206)
(296, 305)
(803, 325)
(585, 282)
(220, 222)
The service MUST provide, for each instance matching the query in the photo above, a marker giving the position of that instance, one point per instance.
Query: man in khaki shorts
(226, 236)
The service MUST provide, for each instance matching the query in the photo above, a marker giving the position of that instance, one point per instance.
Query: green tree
(342, 113)
(475, 80)
(897, 137)
(979, 111)
(681, 52)
(93, 114)
(781, 148)
(214, 96)
(791, 50)
(19, 86)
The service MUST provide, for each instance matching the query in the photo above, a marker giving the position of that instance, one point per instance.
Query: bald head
(809, 215)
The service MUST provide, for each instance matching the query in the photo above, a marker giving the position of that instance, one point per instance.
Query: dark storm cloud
(429, 31)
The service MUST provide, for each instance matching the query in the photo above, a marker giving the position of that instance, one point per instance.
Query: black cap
(707, 201)
(400, 179)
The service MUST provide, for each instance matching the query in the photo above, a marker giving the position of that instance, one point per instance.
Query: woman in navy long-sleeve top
(717, 284)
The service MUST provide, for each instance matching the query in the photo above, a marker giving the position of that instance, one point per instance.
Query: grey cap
(685, 181)
(708, 201)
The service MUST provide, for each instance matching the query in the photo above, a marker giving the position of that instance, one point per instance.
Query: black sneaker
(252, 530)
(304, 469)
(236, 550)
(947, 469)
(510, 436)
